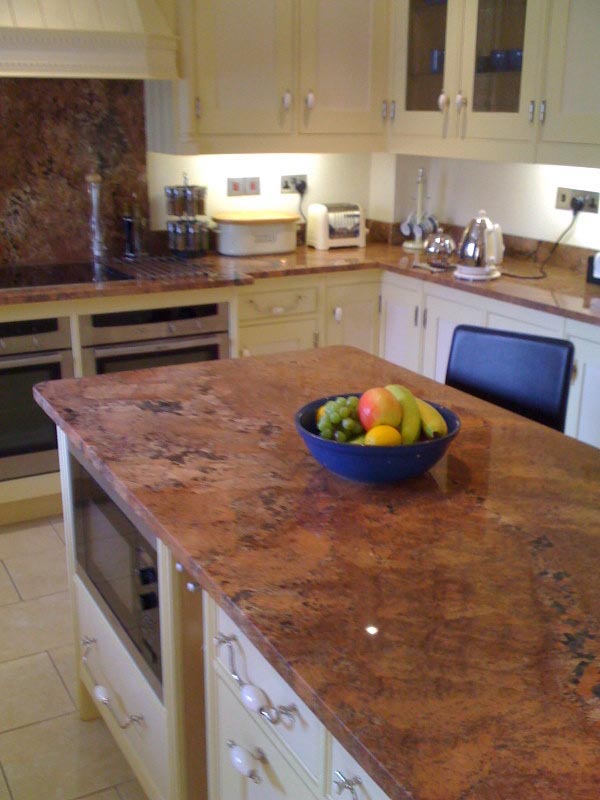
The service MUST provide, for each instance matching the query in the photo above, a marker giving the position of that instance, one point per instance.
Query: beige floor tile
(107, 794)
(8, 593)
(58, 525)
(33, 626)
(4, 795)
(31, 690)
(27, 538)
(61, 759)
(38, 574)
(131, 791)
(64, 661)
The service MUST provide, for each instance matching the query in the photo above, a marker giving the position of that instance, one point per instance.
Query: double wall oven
(30, 352)
(117, 341)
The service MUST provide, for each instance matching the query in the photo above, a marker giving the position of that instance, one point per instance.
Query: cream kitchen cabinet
(258, 77)
(461, 88)
(583, 411)
(278, 314)
(352, 302)
(466, 77)
(570, 133)
(401, 320)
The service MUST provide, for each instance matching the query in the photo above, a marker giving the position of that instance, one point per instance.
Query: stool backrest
(527, 374)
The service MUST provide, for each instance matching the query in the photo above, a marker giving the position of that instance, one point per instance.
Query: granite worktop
(481, 576)
(562, 291)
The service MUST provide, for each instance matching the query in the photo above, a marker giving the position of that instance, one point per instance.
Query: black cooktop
(58, 275)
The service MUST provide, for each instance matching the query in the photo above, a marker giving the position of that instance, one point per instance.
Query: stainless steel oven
(30, 352)
(117, 341)
(117, 561)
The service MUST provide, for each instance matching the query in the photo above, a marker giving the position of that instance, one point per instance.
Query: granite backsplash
(52, 134)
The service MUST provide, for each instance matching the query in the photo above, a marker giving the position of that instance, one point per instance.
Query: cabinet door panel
(442, 317)
(583, 413)
(401, 326)
(343, 63)
(244, 65)
(497, 96)
(572, 89)
(353, 316)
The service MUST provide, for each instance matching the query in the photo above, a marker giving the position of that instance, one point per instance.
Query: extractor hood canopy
(86, 39)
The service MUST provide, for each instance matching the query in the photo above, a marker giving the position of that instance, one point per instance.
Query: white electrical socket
(252, 185)
(236, 186)
(589, 199)
(289, 182)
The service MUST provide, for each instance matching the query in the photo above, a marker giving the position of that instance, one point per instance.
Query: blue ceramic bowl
(373, 464)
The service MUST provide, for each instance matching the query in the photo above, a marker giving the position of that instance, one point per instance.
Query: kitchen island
(482, 679)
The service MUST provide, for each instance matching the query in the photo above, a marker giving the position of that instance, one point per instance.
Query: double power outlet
(244, 186)
(588, 201)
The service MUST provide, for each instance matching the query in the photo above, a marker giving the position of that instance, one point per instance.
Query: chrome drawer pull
(253, 698)
(241, 760)
(101, 693)
(344, 783)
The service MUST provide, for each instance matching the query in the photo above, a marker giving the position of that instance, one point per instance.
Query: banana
(432, 421)
(410, 427)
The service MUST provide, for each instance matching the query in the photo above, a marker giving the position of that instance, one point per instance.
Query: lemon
(383, 435)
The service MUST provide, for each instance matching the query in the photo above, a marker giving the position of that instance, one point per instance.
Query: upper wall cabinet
(465, 77)
(570, 132)
(275, 75)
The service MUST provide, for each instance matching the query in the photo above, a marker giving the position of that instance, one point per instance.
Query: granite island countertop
(482, 576)
(563, 292)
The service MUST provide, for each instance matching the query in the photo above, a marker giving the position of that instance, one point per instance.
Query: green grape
(340, 420)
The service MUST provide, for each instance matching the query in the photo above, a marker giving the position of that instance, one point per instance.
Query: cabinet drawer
(301, 732)
(109, 665)
(273, 778)
(344, 766)
(282, 303)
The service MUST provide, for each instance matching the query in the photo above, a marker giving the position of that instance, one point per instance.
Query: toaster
(335, 225)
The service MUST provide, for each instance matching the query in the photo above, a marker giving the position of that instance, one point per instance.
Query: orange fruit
(383, 435)
(320, 412)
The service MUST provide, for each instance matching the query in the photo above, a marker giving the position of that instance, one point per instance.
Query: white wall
(331, 178)
(520, 197)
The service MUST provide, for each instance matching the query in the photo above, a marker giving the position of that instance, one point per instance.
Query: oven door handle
(30, 360)
(154, 346)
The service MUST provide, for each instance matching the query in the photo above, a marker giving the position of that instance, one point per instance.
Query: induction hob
(16, 277)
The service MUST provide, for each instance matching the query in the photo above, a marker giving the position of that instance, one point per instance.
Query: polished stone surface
(483, 681)
(563, 291)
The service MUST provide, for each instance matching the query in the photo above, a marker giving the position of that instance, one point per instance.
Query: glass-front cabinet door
(466, 70)
(498, 96)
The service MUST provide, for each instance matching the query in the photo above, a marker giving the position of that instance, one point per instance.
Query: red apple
(378, 406)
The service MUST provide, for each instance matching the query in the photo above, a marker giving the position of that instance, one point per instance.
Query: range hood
(86, 39)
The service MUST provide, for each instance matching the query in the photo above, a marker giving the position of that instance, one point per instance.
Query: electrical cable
(300, 187)
(576, 205)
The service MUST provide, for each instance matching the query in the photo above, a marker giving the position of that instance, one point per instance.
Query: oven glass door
(161, 353)
(119, 562)
(27, 434)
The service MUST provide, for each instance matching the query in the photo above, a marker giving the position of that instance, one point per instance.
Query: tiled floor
(46, 751)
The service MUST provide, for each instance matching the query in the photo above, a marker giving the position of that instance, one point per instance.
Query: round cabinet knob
(286, 100)
(309, 100)
(253, 698)
(443, 101)
(338, 313)
(461, 101)
(243, 760)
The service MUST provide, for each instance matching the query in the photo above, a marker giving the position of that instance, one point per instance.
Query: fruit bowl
(374, 464)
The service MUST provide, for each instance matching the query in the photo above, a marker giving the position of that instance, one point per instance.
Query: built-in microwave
(118, 564)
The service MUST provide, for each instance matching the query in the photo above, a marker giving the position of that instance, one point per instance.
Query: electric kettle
(481, 248)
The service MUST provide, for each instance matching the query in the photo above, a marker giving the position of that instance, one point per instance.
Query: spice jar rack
(187, 234)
